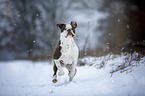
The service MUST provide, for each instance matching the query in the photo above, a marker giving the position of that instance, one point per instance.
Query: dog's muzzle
(70, 32)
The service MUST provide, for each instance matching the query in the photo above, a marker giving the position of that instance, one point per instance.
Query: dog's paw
(70, 79)
(61, 73)
(54, 80)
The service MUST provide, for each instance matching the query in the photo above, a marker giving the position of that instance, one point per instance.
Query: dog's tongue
(73, 33)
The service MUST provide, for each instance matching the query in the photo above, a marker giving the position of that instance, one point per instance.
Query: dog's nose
(69, 31)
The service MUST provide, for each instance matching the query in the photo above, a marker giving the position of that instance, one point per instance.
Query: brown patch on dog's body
(57, 53)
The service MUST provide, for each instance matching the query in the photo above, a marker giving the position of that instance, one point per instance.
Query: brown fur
(57, 53)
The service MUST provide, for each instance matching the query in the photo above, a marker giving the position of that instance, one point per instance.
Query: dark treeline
(28, 28)
(124, 28)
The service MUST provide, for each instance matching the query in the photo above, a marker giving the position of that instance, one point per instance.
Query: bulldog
(66, 52)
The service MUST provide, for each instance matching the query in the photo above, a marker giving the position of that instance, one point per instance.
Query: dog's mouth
(70, 33)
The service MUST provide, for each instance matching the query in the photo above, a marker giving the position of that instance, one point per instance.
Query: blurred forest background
(28, 27)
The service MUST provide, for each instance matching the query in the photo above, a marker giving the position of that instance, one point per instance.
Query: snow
(28, 78)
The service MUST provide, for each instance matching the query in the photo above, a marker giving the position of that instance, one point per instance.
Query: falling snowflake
(127, 26)
(18, 15)
(37, 14)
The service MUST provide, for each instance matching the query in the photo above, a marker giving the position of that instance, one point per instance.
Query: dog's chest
(69, 50)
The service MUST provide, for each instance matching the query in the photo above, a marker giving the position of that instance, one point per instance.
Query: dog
(66, 53)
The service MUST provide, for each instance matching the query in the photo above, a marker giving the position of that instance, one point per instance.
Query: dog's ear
(61, 26)
(73, 24)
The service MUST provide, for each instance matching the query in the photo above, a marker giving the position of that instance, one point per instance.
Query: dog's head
(68, 29)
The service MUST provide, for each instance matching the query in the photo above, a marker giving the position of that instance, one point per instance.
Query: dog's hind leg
(72, 74)
(55, 73)
(72, 70)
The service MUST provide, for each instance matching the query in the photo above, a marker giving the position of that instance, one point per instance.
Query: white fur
(68, 26)
(69, 53)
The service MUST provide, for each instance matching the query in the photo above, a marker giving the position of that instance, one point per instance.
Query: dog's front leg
(55, 73)
(61, 72)
(56, 67)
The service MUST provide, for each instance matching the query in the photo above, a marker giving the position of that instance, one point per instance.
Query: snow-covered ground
(28, 78)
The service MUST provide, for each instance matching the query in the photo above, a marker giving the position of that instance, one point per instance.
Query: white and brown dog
(66, 53)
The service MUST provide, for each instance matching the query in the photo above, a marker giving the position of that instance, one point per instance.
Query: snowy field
(28, 78)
